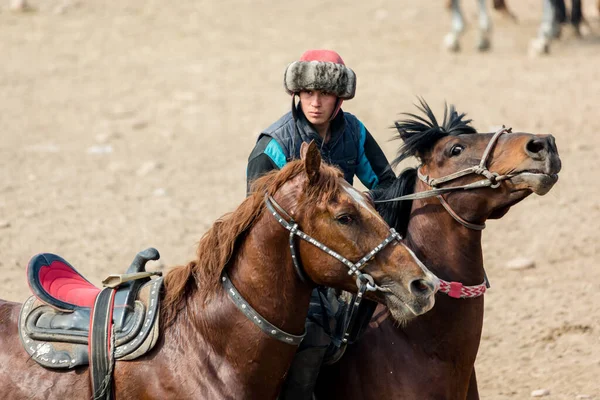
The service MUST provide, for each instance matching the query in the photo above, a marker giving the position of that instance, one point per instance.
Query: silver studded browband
(292, 226)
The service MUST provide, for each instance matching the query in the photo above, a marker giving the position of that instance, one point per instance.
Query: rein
(491, 180)
(364, 282)
(354, 268)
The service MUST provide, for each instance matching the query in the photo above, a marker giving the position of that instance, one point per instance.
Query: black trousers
(324, 331)
(304, 371)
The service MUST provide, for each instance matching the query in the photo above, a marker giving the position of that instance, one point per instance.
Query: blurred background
(128, 124)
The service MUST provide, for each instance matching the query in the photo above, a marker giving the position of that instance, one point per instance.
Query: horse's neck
(265, 276)
(453, 327)
(450, 250)
(233, 356)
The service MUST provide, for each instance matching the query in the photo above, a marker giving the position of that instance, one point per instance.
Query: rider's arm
(373, 168)
(266, 156)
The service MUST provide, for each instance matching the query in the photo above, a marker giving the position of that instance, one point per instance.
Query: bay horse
(207, 348)
(433, 356)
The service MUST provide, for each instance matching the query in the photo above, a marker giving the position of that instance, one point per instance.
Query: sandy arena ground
(128, 125)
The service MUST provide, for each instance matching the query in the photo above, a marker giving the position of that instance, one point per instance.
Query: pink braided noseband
(457, 290)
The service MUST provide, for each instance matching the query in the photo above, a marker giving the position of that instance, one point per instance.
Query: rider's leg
(304, 371)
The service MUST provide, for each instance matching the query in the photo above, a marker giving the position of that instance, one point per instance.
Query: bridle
(490, 179)
(353, 268)
(364, 281)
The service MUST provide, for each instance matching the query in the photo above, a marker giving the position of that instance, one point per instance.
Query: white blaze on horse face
(360, 199)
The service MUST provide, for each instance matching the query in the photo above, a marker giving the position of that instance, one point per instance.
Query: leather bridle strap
(255, 317)
(480, 169)
(354, 306)
(364, 282)
(354, 268)
(491, 180)
(459, 219)
(439, 191)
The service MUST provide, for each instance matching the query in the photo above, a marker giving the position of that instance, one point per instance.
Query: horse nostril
(421, 287)
(535, 146)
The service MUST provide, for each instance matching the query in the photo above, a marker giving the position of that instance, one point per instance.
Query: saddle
(69, 322)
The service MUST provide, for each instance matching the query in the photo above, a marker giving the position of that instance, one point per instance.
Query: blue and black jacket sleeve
(266, 156)
(373, 168)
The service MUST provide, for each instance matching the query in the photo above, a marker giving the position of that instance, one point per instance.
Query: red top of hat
(322, 55)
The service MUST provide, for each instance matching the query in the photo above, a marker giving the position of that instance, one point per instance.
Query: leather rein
(364, 282)
(491, 180)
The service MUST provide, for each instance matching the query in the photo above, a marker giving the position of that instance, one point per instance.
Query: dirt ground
(128, 125)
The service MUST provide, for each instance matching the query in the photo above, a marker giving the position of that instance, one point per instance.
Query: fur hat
(320, 70)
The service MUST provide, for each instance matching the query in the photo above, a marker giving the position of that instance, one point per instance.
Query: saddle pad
(66, 347)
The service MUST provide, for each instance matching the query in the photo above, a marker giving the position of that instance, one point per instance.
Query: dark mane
(420, 134)
(397, 213)
(218, 244)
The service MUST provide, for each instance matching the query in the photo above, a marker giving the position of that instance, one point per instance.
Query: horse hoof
(484, 44)
(583, 30)
(451, 43)
(539, 47)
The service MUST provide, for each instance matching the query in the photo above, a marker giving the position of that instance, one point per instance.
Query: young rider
(321, 81)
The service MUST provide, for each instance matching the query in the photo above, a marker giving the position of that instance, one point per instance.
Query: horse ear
(311, 156)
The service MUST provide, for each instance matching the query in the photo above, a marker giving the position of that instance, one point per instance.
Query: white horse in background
(548, 30)
(19, 5)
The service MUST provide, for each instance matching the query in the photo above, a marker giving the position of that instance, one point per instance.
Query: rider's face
(317, 106)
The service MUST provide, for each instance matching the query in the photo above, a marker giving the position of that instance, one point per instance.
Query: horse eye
(344, 219)
(456, 150)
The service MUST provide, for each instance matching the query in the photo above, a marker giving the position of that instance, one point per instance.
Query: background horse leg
(576, 16)
(562, 16)
(485, 27)
(458, 26)
(500, 6)
(549, 28)
(560, 11)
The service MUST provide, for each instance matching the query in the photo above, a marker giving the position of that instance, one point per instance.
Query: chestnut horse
(207, 348)
(433, 356)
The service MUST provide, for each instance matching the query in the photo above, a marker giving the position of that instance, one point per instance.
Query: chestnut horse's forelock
(218, 244)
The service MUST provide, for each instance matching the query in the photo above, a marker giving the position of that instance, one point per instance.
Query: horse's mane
(397, 213)
(218, 244)
(419, 136)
